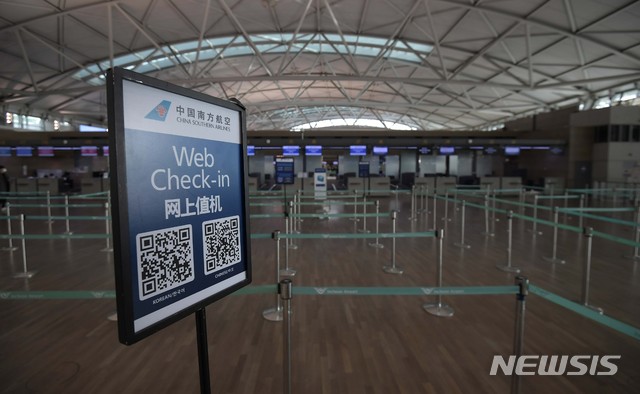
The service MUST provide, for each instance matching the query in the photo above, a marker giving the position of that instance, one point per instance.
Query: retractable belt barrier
(605, 320)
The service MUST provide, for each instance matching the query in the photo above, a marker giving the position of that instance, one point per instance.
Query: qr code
(165, 260)
(221, 243)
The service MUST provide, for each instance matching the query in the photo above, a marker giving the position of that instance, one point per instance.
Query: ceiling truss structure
(424, 64)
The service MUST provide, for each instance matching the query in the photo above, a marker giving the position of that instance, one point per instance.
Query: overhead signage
(179, 170)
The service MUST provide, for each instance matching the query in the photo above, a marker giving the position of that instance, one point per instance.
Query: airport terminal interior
(434, 196)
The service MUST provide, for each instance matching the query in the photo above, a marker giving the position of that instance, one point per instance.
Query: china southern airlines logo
(160, 111)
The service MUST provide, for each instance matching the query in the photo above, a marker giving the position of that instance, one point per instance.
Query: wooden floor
(341, 344)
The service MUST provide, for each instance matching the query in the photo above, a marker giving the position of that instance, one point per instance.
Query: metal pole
(66, 214)
(508, 267)
(275, 314)
(291, 220)
(25, 273)
(413, 203)
(487, 231)
(355, 206)
(635, 255)
(461, 243)
(534, 229)
(377, 244)
(107, 211)
(11, 248)
(438, 308)
(518, 341)
(49, 207)
(285, 294)
(364, 215)
(580, 217)
(493, 213)
(203, 351)
(586, 272)
(554, 258)
(288, 245)
(392, 269)
(435, 207)
(446, 205)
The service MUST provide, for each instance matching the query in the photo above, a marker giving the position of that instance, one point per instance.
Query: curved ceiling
(417, 64)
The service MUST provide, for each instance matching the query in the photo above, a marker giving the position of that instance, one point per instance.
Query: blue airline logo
(160, 111)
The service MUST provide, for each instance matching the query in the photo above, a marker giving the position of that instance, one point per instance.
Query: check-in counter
(358, 184)
(90, 185)
(379, 186)
(26, 185)
(553, 185)
(446, 183)
(490, 182)
(50, 185)
(425, 185)
(252, 184)
(511, 183)
(308, 185)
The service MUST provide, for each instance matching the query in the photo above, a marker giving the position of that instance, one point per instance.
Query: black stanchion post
(586, 272)
(518, 338)
(438, 308)
(435, 207)
(392, 269)
(275, 314)
(286, 292)
(203, 351)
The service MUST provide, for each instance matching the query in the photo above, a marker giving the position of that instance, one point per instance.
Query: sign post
(320, 184)
(180, 212)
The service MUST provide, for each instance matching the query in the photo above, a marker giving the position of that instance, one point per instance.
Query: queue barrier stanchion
(25, 272)
(507, 267)
(554, 258)
(635, 255)
(287, 245)
(10, 248)
(355, 207)
(461, 244)
(377, 244)
(435, 207)
(66, 213)
(580, 218)
(446, 205)
(285, 291)
(290, 220)
(107, 227)
(393, 269)
(487, 231)
(49, 207)
(438, 308)
(412, 216)
(275, 314)
(518, 337)
(364, 216)
(534, 229)
(586, 272)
